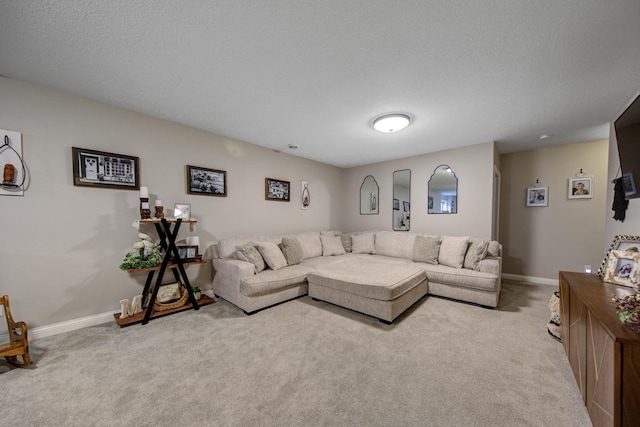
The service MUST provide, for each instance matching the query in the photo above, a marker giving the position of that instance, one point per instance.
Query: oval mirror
(443, 191)
(369, 193)
(401, 200)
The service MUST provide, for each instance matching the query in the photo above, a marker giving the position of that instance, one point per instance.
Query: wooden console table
(603, 353)
(173, 262)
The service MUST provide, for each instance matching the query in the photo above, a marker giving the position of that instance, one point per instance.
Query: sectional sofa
(379, 273)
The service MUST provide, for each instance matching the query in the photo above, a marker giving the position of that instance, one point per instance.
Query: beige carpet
(305, 363)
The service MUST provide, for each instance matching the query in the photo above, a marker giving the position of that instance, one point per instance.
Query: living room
(63, 243)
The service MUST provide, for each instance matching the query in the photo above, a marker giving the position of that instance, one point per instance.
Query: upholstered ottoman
(380, 290)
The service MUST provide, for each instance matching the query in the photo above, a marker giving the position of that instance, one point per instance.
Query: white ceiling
(316, 73)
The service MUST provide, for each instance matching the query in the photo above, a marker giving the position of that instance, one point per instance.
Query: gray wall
(539, 242)
(61, 245)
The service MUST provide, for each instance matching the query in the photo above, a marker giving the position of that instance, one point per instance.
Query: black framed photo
(276, 189)
(207, 182)
(100, 169)
(405, 206)
(396, 204)
(188, 252)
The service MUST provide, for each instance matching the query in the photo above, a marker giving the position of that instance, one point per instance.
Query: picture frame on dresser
(100, 169)
(621, 242)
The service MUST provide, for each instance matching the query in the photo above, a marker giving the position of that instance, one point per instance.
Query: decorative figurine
(9, 174)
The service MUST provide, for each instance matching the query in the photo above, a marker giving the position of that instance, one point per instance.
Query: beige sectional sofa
(255, 272)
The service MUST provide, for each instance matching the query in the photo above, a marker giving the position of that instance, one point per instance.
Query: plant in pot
(197, 292)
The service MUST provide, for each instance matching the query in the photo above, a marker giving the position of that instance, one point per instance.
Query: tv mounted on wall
(627, 128)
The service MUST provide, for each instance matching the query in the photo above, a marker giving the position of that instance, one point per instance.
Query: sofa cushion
(461, 277)
(363, 243)
(476, 251)
(248, 252)
(426, 249)
(332, 245)
(292, 250)
(452, 250)
(269, 281)
(272, 255)
(346, 243)
(310, 244)
(493, 249)
(226, 247)
(397, 245)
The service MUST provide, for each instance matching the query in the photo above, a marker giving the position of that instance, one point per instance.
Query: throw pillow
(452, 251)
(310, 244)
(477, 251)
(493, 249)
(272, 255)
(249, 253)
(346, 242)
(292, 250)
(332, 245)
(426, 249)
(363, 243)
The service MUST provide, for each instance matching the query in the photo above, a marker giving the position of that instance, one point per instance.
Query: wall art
(580, 188)
(277, 190)
(538, 196)
(207, 182)
(100, 169)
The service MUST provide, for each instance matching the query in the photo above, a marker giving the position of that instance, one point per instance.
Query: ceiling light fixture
(389, 123)
(544, 136)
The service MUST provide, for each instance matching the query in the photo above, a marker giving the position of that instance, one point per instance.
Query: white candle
(144, 192)
(193, 241)
(145, 205)
(158, 202)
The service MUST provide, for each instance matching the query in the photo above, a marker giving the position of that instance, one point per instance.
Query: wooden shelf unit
(139, 317)
(603, 353)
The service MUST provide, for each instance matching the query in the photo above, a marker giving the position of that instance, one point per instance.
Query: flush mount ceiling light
(389, 123)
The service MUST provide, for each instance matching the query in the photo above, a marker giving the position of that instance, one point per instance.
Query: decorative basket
(158, 306)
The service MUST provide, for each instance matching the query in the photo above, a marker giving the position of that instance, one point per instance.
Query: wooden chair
(18, 342)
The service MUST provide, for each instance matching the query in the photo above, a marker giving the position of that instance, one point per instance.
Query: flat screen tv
(627, 128)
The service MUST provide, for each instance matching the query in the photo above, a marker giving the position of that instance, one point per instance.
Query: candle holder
(143, 200)
(145, 212)
(159, 212)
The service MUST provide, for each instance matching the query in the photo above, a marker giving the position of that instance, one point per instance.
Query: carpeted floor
(305, 363)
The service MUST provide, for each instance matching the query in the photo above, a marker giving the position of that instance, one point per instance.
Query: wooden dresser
(603, 353)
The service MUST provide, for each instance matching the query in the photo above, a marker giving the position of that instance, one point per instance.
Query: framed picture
(182, 210)
(396, 204)
(188, 252)
(405, 206)
(207, 182)
(623, 268)
(538, 196)
(168, 293)
(105, 170)
(581, 188)
(622, 242)
(629, 184)
(278, 190)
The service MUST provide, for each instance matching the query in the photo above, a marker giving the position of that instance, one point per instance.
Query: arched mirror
(369, 193)
(401, 200)
(443, 191)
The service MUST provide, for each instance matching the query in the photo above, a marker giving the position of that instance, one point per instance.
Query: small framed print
(623, 268)
(581, 188)
(188, 252)
(207, 182)
(405, 206)
(396, 204)
(622, 242)
(168, 293)
(538, 196)
(93, 168)
(628, 184)
(277, 190)
(182, 211)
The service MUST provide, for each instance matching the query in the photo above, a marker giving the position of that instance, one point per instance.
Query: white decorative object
(193, 241)
(130, 308)
(144, 192)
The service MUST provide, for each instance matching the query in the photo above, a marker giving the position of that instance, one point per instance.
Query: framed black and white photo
(580, 188)
(622, 242)
(182, 210)
(396, 204)
(405, 206)
(188, 252)
(277, 190)
(207, 182)
(538, 196)
(100, 169)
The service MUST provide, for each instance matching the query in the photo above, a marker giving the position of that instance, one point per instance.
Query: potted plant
(197, 292)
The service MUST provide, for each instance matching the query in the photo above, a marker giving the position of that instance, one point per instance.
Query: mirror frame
(393, 215)
(377, 195)
(429, 211)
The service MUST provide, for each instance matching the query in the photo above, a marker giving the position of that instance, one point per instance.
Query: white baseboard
(70, 325)
(531, 279)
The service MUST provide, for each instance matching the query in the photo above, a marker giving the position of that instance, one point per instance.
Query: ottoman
(379, 290)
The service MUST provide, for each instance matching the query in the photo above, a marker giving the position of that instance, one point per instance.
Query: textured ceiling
(316, 73)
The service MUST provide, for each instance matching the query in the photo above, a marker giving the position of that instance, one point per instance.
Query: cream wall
(472, 165)
(61, 245)
(631, 224)
(539, 242)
